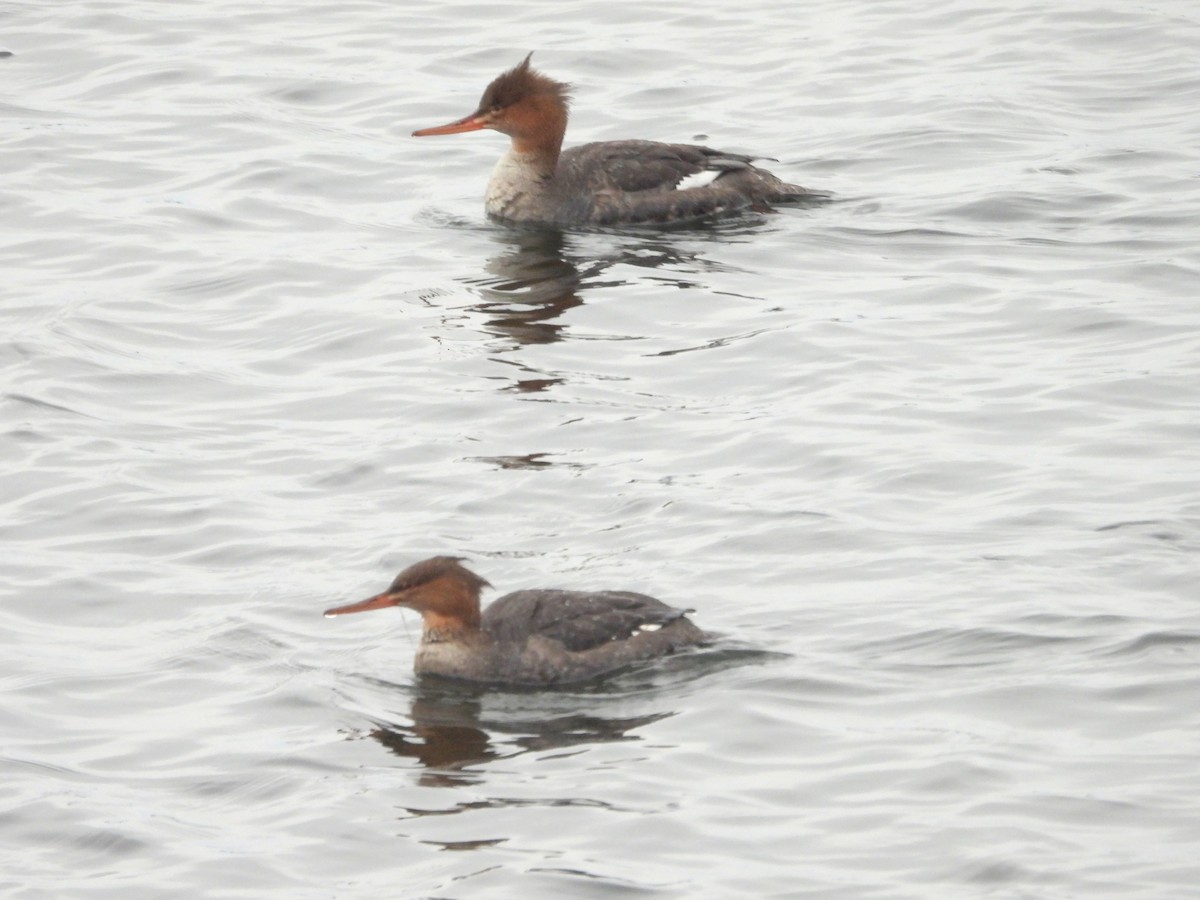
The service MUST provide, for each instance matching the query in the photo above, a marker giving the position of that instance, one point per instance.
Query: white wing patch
(647, 626)
(699, 180)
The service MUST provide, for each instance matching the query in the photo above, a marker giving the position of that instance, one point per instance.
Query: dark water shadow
(528, 285)
(456, 728)
(541, 273)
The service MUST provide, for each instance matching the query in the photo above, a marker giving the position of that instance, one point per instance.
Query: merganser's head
(522, 103)
(445, 593)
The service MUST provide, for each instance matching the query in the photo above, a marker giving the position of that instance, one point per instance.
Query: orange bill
(473, 122)
(379, 601)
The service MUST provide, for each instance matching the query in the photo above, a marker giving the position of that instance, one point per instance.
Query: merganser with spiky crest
(610, 182)
(532, 637)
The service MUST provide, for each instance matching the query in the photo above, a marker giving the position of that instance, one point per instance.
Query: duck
(535, 637)
(605, 183)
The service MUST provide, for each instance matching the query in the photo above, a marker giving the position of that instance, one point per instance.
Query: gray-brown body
(541, 637)
(633, 183)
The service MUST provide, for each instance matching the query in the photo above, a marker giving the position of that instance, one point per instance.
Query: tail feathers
(794, 193)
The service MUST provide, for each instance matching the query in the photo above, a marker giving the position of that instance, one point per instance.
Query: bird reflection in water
(543, 273)
(528, 287)
(451, 731)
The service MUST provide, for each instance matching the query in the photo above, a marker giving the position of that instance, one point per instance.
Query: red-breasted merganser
(610, 182)
(533, 637)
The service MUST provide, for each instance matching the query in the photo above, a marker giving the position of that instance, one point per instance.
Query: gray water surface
(926, 455)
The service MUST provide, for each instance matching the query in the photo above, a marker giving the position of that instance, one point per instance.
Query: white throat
(515, 180)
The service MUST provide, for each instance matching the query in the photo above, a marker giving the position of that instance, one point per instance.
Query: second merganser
(609, 182)
(532, 637)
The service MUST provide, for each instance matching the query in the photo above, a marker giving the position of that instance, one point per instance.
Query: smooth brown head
(522, 103)
(445, 593)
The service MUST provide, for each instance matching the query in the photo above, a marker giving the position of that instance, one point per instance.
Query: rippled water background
(932, 449)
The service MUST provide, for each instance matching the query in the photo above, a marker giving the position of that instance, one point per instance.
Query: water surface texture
(928, 455)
